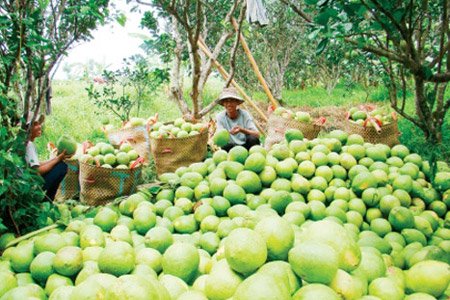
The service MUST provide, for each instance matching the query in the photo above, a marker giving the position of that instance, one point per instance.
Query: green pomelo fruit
(106, 219)
(92, 236)
(355, 139)
(55, 281)
(249, 181)
(185, 224)
(191, 179)
(21, 257)
(314, 262)
(238, 154)
(66, 142)
(159, 238)
(149, 257)
(245, 250)
(232, 169)
(255, 162)
(267, 176)
(278, 235)
(280, 200)
(281, 270)
(222, 281)
(316, 291)
(293, 134)
(386, 289)
(48, 242)
(174, 285)
(347, 286)
(62, 293)
(68, 261)
(42, 266)
(89, 268)
(280, 152)
(134, 287)
(8, 282)
(221, 137)
(429, 276)
(442, 181)
(181, 260)
(337, 237)
(29, 292)
(108, 262)
(143, 219)
(363, 181)
(400, 218)
(339, 134)
(234, 193)
(88, 290)
(372, 265)
(375, 241)
(419, 296)
(380, 226)
(260, 286)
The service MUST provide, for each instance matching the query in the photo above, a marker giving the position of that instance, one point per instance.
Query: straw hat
(40, 119)
(229, 93)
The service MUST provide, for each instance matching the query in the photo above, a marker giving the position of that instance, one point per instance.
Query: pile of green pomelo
(326, 219)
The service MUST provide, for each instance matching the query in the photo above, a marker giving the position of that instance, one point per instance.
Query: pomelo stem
(32, 234)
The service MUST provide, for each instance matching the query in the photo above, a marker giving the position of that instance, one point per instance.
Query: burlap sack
(388, 135)
(136, 136)
(277, 126)
(171, 153)
(70, 185)
(99, 185)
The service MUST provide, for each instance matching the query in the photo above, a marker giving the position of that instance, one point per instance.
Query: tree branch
(236, 44)
(298, 11)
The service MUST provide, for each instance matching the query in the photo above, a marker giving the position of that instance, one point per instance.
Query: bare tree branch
(236, 44)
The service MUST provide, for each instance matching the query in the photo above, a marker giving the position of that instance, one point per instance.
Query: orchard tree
(411, 40)
(178, 27)
(273, 47)
(34, 35)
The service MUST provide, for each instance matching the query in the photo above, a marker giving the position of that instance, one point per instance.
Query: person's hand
(236, 129)
(61, 156)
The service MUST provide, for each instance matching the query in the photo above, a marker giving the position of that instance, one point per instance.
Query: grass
(74, 114)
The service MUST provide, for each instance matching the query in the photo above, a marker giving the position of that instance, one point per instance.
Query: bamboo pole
(255, 66)
(225, 75)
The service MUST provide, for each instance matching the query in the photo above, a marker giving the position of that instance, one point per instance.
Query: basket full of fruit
(375, 125)
(135, 131)
(178, 143)
(107, 173)
(282, 119)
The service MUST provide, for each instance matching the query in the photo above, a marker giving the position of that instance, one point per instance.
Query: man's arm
(237, 129)
(45, 166)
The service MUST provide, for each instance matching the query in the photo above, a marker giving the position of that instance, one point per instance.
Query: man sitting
(237, 121)
(52, 170)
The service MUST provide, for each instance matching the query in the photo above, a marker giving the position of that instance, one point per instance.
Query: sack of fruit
(374, 125)
(178, 144)
(281, 119)
(135, 131)
(69, 186)
(100, 185)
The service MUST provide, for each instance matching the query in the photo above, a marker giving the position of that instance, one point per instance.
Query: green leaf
(311, 2)
(321, 46)
(121, 19)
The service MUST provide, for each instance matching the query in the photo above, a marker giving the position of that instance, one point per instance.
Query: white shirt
(243, 120)
(31, 155)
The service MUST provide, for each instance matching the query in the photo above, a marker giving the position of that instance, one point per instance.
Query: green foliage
(409, 40)
(109, 99)
(33, 37)
(135, 77)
